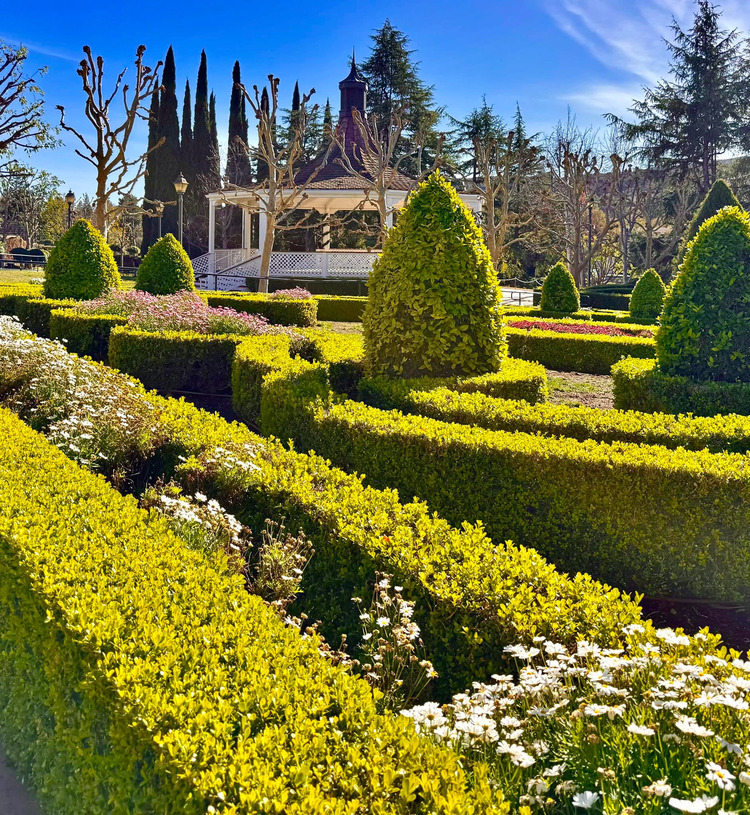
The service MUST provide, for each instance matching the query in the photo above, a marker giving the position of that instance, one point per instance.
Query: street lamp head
(70, 198)
(180, 184)
(159, 208)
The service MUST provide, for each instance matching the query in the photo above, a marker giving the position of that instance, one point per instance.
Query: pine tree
(150, 228)
(168, 158)
(520, 138)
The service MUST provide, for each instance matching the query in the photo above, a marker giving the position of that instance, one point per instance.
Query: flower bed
(574, 327)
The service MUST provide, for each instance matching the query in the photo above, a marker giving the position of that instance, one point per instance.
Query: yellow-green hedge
(136, 677)
(12, 293)
(278, 311)
(587, 315)
(84, 334)
(588, 354)
(340, 309)
(35, 313)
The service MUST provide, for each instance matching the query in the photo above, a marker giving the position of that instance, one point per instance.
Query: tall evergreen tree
(519, 130)
(186, 136)
(238, 161)
(201, 123)
(149, 224)
(327, 122)
(261, 170)
(168, 155)
(214, 157)
(686, 122)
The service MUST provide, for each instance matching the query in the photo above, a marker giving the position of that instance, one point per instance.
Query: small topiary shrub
(719, 196)
(166, 269)
(705, 323)
(81, 266)
(434, 306)
(648, 295)
(559, 292)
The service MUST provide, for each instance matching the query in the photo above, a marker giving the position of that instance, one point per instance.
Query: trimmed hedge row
(720, 434)
(640, 385)
(574, 321)
(175, 360)
(136, 677)
(340, 309)
(276, 310)
(588, 354)
(84, 334)
(600, 299)
(12, 293)
(35, 313)
(596, 316)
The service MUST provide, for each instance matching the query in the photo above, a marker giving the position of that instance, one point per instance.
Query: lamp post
(180, 187)
(159, 210)
(70, 200)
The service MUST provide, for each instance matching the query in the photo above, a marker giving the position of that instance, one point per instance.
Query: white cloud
(36, 48)
(603, 98)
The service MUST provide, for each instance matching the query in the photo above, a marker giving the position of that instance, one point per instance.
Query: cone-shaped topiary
(81, 266)
(648, 295)
(166, 269)
(705, 322)
(559, 292)
(434, 306)
(719, 196)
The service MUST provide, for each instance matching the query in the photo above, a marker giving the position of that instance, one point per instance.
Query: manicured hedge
(596, 316)
(85, 334)
(174, 360)
(665, 522)
(35, 313)
(340, 309)
(342, 353)
(576, 352)
(592, 326)
(277, 311)
(12, 293)
(136, 677)
(640, 385)
(720, 434)
(598, 300)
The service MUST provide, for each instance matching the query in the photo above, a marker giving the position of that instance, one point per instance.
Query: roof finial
(354, 61)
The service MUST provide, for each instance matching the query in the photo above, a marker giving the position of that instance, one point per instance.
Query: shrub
(341, 309)
(569, 326)
(278, 311)
(136, 666)
(84, 334)
(639, 384)
(434, 303)
(648, 295)
(11, 295)
(166, 269)
(589, 354)
(705, 324)
(559, 292)
(719, 196)
(81, 266)
(601, 299)
(35, 313)
(595, 316)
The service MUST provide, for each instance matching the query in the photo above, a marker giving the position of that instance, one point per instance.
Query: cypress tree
(201, 124)
(327, 123)
(149, 224)
(168, 155)
(186, 137)
(214, 157)
(238, 162)
(261, 171)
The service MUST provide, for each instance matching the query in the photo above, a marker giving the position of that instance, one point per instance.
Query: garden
(401, 579)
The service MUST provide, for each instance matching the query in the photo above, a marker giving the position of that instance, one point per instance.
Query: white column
(326, 244)
(211, 226)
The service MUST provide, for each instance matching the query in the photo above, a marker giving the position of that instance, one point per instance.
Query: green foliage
(639, 384)
(101, 655)
(434, 306)
(12, 294)
(585, 353)
(705, 324)
(35, 313)
(719, 196)
(648, 295)
(594, 316)
(174, 360)
(277, 311)
(81, 266)
(84, 334)
(559, 292)
(341, 309)
(166, 269)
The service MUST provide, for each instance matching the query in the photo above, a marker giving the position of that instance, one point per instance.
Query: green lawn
(25, 275)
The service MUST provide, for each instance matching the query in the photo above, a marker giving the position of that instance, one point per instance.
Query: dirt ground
(588, 390)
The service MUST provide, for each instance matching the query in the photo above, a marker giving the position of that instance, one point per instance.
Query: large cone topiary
(81, 266)
(559, 292)
(705, 323)
(434, 306)
(719, 196)
(648, 295)
(166, 269)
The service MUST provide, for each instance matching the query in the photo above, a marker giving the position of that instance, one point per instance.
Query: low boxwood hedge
(588, 354)
(85, 334)
(12, 293)
(278, 311)
(35, 313)
(640, 385)
(597, 316)
(137, 677)
(340, 309)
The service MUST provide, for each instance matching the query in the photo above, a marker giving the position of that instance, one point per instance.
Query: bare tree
(21, 107)
(279, 192)
(107, 150)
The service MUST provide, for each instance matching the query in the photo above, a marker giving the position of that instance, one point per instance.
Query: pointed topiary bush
(719, 196)
(705, 322)
(648, 295)
(81, 266)
(166, 269)
(434, 305)
(559, 292)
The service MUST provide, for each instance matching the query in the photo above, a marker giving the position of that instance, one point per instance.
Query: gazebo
(332, 189)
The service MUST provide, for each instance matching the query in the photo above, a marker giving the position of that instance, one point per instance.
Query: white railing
(323, 264)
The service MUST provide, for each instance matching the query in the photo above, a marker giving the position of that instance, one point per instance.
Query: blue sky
(591, 55)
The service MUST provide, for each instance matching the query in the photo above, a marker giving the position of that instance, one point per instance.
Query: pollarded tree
(434, 306)
(81, 266)
(648, 295)
(705, 323)
(166, 269)
(720, 195)
(559, 292)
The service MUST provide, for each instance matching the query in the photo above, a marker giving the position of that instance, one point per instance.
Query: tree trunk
(265, 258)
